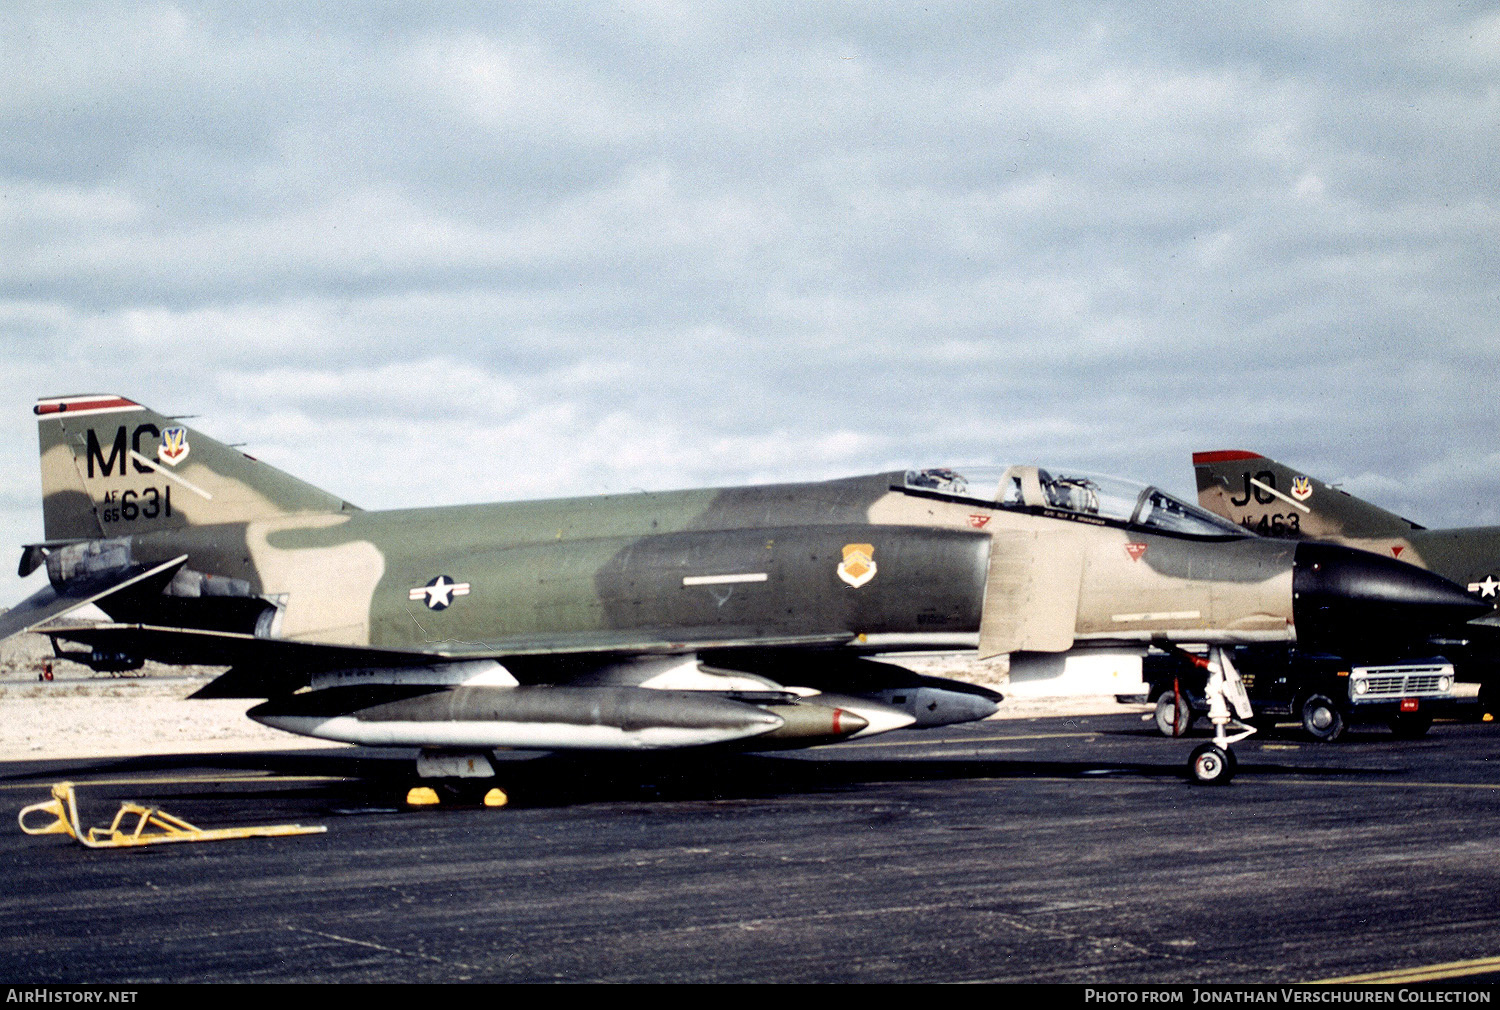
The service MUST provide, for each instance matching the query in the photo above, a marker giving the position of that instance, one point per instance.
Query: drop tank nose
(1344, 599)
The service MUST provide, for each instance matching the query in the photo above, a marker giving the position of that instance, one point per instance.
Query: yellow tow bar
(152, 826)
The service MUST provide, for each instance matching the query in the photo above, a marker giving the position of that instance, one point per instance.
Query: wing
(604, 690)
(267, 667)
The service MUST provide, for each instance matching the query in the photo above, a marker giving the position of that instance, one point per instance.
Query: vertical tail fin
(1272, 499)
(111, 467)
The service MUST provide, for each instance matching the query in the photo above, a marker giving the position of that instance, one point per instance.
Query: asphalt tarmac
(1046, 850)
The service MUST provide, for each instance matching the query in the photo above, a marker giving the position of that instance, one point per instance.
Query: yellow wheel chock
(152, 827)
(426, 796)
(422, 796)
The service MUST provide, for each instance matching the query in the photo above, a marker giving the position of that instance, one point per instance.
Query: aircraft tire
(1321, 718)
(1174, 715)
(1411, 725)
(1211, 764)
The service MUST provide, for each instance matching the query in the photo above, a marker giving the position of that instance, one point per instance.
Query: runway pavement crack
(382, 947)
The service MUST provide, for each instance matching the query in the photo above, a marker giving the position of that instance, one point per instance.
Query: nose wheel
(1214, 763)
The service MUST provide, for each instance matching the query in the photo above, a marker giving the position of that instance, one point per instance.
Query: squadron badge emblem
(1301, 488)
(174, 446)
(858, 566)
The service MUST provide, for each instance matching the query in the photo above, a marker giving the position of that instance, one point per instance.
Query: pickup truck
(1325, 693)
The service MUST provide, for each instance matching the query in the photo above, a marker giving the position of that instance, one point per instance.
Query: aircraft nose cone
(1344, 599)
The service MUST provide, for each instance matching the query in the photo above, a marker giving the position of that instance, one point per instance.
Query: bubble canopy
(1072, 494)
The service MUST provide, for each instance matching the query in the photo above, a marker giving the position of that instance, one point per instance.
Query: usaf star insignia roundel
(858, 566)
(439, 593)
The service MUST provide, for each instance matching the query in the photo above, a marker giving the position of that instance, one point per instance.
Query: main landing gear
(455, 778)
(1214, 763)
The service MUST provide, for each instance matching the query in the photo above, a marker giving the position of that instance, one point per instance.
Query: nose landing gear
(1214, 763)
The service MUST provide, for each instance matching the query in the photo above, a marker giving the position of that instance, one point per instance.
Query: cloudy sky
(440, 253)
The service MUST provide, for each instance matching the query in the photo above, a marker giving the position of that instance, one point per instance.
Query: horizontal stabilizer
(47, 603)
(262, 667)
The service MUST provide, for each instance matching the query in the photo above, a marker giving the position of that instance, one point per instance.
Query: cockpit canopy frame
(1071, 494)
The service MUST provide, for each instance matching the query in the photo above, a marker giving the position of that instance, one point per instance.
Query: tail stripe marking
(1271, 490)
(86, 405)
(144, 461)
(1224, 456)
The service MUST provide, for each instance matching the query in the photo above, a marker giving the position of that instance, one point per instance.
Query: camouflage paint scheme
(606, 573)
(200, 553)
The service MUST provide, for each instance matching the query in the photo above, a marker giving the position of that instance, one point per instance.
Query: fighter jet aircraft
(731, 617)
(1272, 499)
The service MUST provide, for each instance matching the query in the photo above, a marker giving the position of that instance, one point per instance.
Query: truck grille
(1386, 683)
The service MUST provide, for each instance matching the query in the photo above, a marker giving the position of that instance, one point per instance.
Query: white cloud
(417, 254)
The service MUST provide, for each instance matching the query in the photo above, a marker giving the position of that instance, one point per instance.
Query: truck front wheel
(1321, 718)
